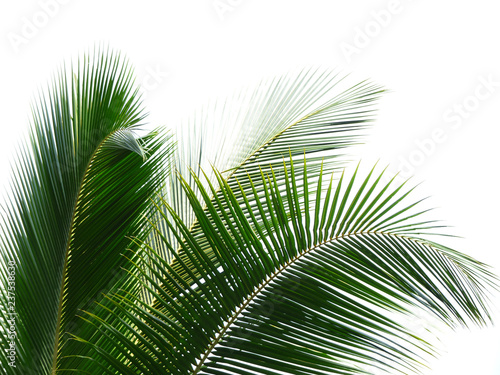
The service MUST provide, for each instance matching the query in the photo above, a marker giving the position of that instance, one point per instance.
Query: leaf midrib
(68, 247)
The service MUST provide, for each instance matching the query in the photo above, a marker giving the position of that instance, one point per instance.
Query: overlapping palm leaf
(316, 113)
(81, 185)
(315, 293)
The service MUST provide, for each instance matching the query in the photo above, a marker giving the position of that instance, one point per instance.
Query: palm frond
(317, 113)
(316, 293)
(80, 186)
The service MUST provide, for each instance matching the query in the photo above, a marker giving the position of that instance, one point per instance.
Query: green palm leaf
(267, 266)
(81, 186)
(316, 113)
(316, 293)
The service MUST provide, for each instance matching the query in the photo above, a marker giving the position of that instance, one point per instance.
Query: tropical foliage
(244, 249)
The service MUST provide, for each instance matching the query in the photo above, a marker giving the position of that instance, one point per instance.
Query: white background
(434, 56)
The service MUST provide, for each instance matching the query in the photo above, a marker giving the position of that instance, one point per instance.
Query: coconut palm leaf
(80, 186)
(317, 113)
(318, 292)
